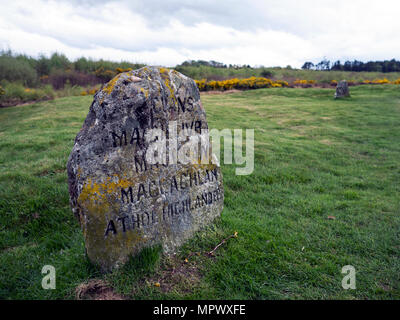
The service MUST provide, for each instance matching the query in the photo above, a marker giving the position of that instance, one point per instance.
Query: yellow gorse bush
(89, 92)
(282, 83)
(120, 70)
(304, 82)
(105, 74)
(381, 81)
(257, 82)
(240, 84)
(2, 91)
(201, 84)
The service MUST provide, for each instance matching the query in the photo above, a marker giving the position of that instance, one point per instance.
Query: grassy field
(314, 158)
(287, 74)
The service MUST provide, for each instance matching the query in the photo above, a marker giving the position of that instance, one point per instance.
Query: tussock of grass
(316, 158)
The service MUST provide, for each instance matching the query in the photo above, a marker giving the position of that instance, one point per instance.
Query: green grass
(314, 157)
(328, 76)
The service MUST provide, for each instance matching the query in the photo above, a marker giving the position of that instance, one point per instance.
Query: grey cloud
(297, 17)
(157, 14)
(240, 15)
(288, 31)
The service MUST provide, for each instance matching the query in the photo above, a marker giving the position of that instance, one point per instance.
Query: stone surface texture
(124, 203)
(342, 90)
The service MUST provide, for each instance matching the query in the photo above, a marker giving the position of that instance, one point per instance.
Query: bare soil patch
(179, 276)
(96, 290)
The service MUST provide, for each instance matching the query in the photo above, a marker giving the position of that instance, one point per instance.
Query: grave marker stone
(124, 199)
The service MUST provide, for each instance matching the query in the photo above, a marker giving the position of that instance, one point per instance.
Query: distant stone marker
(342, 90)
(123, 200)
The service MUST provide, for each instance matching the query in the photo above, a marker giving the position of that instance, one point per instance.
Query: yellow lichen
(171, 90)
(99, 202)
(163, 70)
(97, 191)
(111, 84)
(145, 92)
(165, 75)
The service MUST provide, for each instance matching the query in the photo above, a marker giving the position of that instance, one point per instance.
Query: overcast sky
(269, 32)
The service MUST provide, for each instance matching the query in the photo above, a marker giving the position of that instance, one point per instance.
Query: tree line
(354, 66)
(58, 70)
(212, 64)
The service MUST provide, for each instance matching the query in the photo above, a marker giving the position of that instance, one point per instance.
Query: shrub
(49, 92)
(12, 69)
(15, 93)
(380, 81)
(240, 84)
(59, 78)
(212, 85)
(266, 73)
(283, 83)
(121, 70)
(105, 75)
(230, 84)
(89, 92)
(57, 69)
(304, 83)
(201, 84)
(91, 66)
(70, 90)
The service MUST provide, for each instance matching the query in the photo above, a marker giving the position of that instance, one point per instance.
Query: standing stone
(342, 90)
(123, 200)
